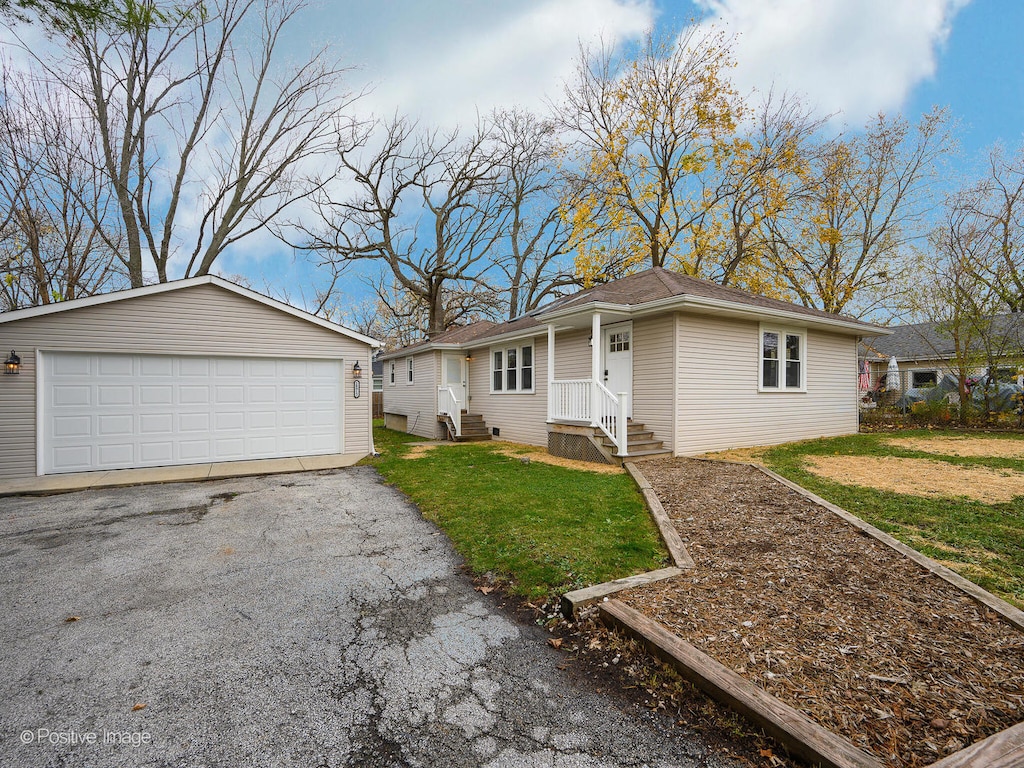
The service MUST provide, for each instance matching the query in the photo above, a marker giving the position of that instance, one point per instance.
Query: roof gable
(177, 285)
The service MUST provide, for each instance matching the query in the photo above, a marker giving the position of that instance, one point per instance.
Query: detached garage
(191, 372)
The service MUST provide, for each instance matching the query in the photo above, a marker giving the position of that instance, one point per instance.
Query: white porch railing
(590, 401)
(569, 400)
(449, 405)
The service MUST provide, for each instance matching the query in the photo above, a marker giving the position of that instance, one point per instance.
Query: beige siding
(654, 388)
(203, 319)
(572, 355)
(416, 401)
(520, 417)
(719, 405)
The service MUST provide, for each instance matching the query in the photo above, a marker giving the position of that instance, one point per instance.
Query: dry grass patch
(920, 477)
(968, 447)
(418, 451)
(745, 455)
(534, 453)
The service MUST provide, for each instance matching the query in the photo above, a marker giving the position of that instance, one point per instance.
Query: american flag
(865, 376)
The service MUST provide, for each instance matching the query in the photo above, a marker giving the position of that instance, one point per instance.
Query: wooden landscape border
(572, 601)
(798, 733)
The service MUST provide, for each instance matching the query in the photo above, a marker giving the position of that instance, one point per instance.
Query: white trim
(912, 371)
(40, 415)
(392, 376)
(782, 332)
(410, 371)
(176, 285)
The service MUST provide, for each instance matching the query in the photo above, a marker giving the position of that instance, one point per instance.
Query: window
(782, 360)
(512, 369)
(408, 364)
(924, 378)
(618, 341)
(391, 380)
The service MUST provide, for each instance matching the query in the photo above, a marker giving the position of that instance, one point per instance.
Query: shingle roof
(660, 283)
(640, 288)
(925, 341)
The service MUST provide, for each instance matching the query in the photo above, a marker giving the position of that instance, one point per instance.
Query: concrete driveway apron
(310, 619)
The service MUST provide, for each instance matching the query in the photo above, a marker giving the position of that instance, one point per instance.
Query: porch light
(469, 356)
(590, 340)
(357, 371)
(12, 365)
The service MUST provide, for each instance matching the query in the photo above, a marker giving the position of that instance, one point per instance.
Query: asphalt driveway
(312, 619)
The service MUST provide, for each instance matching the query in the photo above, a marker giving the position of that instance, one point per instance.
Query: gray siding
(416, 401)
(203, 319)
(520, 417)
(718, 402)
(654, 382)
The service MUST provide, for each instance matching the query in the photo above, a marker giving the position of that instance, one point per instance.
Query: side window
(497, 371)
(408, 363)
(391, 380)
(783, 360)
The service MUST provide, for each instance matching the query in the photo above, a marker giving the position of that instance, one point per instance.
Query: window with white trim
(512, 369)
(408, 365)
(391, 380)
(782, 360)
(924, 378)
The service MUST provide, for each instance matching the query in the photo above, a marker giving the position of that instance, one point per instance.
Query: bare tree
(206, 135)
(426, 207)
(535, 243)
(843, 236)
(60, 235)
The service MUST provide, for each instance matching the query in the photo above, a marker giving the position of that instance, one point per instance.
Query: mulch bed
(829, 620)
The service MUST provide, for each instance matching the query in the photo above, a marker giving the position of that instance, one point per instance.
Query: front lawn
(544, 529)
(981, 540)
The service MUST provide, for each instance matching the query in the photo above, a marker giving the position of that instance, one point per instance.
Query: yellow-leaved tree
(644, 131)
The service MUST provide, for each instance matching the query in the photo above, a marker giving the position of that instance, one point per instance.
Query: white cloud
(518, 55)
(853, 58)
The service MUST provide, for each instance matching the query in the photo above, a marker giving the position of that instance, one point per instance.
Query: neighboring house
(925, 354)
(189, 372)
(656, 362)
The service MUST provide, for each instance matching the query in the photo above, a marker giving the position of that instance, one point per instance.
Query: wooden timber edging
(669, 534)
(1000, 750)
(572, 601)
(798, 733)
(1013, 615)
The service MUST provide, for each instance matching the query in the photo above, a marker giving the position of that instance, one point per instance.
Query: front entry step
(474, 428)
(640, 443)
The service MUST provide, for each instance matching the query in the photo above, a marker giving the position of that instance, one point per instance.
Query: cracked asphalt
(312, 619)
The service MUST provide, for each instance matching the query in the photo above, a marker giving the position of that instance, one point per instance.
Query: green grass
(544, 529)
(983, 542)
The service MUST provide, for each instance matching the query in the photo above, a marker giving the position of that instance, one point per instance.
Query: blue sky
(442, 61)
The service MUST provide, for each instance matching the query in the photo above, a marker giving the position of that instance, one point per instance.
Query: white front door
(617, 360)
(453, 376)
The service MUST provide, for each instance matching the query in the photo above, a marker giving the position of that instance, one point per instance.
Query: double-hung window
(783, 360)
(391, 374)
(512, 369)
(408, 365)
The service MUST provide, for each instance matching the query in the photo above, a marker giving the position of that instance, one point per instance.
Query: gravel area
(831, 621)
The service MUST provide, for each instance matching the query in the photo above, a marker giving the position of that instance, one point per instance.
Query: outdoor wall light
(469, 356)
(12, 365)
(590, 340)
(357, 371)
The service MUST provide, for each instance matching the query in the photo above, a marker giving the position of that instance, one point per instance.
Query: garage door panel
(156, 366)
(114, 365)
(194, 422)
(115, 455)
(194, 451)
(72, 426)
(156, 423)
(192, 394)
(111, 395)
(194, 366)
(105, 411)
(71, 365)
(71, 395)
(115, 425)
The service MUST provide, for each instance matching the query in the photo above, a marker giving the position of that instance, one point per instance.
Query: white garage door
(108, 411)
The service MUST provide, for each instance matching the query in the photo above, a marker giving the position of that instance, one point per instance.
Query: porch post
(595, 365)
(551, 366)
